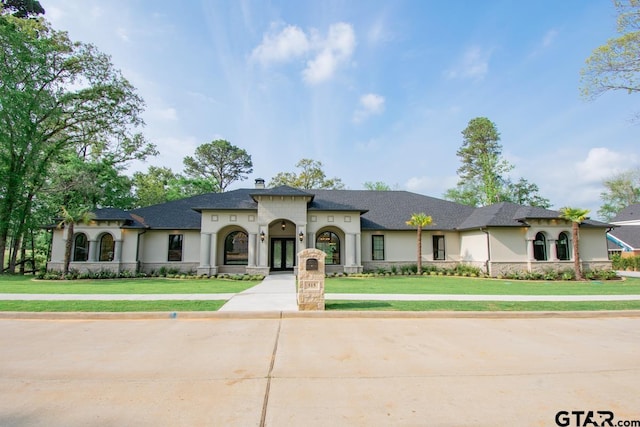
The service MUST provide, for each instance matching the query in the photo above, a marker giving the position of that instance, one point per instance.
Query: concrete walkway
(277, 292)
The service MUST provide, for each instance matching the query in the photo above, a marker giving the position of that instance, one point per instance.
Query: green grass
(110, 306)
(25, 285)
(477, 286)
(342, 305)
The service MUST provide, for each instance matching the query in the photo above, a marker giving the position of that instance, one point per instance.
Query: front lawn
(110, 306)
(25, 285)
(343, 305)
(477, 286)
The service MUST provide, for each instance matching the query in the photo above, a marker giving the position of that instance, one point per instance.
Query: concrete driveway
(296, 371)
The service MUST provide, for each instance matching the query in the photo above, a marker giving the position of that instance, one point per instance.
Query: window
(80, 247)
(236, 248)
(329, 243)
(377, 245)
(562, 247)
(438, 248)
(175, 247)
(540, 247)
(106, 248)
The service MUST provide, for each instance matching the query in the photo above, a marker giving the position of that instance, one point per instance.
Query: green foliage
(483, 172)
(21, 8)
(376, 186)
(160, 184)
(614, 65)
(311, 176)
(621, 190)
(57, 99)
(220, 163)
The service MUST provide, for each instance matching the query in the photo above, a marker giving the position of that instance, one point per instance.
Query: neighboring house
(625, 237)
(261, 230)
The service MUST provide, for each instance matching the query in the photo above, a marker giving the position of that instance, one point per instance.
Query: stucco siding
(593, 244)
(508, 244)
(473, 247)
(214, 221)
(155, 246)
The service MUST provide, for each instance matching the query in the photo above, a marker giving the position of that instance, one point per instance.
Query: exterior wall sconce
(283, 225)
(262, 236)
(301, 236)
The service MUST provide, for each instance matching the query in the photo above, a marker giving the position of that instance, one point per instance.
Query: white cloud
(123, 34)
(602, 163)
(370, 104)
(474, 64)
(323, 54)
(289, 43)
(549, 37)
(336, 49)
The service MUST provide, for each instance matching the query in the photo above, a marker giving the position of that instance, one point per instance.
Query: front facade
(260, 230)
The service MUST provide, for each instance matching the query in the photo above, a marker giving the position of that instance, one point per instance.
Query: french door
(283, 254)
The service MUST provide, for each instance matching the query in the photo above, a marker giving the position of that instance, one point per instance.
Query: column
(553, 253)
(93, 251)
(117, 251)
(530, 256)
(358, 249)
(252, 249)
(213, 249)
(350, 258)
(205, 250)
(263, 251)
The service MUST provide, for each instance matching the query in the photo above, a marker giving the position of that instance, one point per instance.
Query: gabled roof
(630, 213)
(378, 210)
(506, 214)
(389, 210)
(628, 235)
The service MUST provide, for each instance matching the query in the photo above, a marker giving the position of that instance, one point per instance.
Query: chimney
(259, 183)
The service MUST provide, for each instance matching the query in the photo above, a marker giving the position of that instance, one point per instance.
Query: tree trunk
(576, 253)
(67, 248)
(419, 250)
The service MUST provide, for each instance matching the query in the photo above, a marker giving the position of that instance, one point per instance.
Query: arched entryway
(282, 245)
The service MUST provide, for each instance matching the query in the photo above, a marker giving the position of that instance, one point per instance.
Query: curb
(216, 315)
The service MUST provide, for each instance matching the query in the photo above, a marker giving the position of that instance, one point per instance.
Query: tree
(219, 162)
(576, 216)
(69, 219)
(621, 190)
(310, 177)
(22, 8)
(524, 192)
(160, 184)
(615, 65)
(56, 96)
(376, 186)
(419, 220)
(483, 179)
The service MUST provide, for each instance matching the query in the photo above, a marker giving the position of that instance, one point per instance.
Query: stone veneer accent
(311, 279)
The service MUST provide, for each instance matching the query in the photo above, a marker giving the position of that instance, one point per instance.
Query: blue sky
(375, 90)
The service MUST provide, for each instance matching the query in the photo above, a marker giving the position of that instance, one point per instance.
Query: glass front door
(283, 254)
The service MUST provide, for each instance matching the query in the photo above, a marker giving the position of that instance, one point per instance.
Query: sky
(375, 90)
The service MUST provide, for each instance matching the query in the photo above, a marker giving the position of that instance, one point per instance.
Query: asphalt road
(317, 371)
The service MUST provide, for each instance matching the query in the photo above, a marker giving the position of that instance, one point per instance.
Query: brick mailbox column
(311, 279)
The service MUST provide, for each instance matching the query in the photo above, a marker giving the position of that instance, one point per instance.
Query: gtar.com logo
(591, 418)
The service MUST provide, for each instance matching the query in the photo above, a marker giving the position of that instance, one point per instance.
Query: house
(625, 237)
(260, 230)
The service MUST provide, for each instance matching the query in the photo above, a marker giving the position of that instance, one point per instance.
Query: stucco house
(625, 237)
(260, 230)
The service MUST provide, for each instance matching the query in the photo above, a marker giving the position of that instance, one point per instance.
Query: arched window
(329, 243)
(540, 247)
(236, 248)
(562, 247)
(106, 248)
(80, 247)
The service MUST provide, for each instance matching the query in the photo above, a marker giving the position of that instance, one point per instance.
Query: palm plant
(576, 216)
(69, 218)
(420, 220)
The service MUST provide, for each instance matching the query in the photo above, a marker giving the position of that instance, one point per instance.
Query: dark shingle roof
(389, 210)
(630, 213)
(379, 210)
(629, 234)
